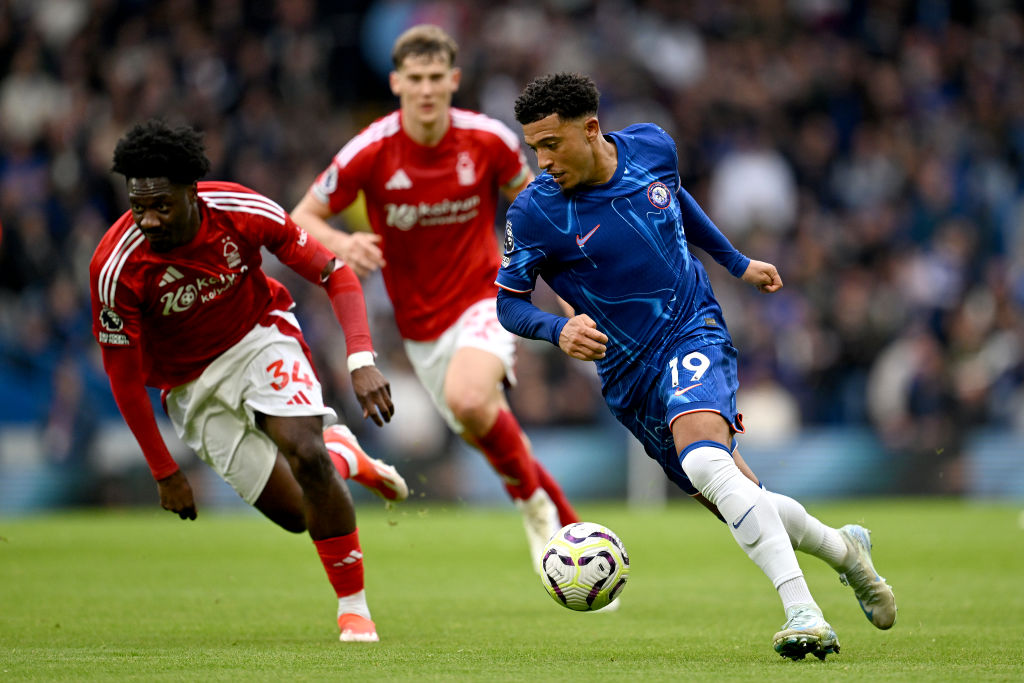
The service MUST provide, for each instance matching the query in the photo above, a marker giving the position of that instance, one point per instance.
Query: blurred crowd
(872, 150)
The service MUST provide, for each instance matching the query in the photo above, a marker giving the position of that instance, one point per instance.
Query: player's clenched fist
(581, 339)
(764, 276)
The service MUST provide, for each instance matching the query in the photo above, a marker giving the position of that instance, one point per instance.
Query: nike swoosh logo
(680, 391)
(737, 524)
(580, 241)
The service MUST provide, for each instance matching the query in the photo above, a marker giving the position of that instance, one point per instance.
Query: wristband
(359, 359)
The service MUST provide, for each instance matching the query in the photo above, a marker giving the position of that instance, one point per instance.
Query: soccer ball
(584, 566)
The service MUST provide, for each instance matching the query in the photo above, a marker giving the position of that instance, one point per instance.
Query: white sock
(354, 604)
(752, 519)
(795, 592)
(807, 534)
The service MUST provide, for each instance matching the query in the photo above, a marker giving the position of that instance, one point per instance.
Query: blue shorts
(694, 379)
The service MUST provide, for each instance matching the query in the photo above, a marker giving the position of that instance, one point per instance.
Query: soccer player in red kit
(181, 303)
(430, 174)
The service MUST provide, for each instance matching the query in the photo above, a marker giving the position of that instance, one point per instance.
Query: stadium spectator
(888, 114)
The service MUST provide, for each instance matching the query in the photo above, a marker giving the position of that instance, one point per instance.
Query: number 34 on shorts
(281, 378)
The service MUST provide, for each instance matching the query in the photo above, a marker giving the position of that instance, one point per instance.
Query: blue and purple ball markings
(591, 569)
(607, 569)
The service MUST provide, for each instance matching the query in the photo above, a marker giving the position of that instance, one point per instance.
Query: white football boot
(376, 475)
(873, 593)
(805, 632)
(540, 519)
(356, 628)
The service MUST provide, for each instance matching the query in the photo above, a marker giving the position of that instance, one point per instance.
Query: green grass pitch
(142, 595)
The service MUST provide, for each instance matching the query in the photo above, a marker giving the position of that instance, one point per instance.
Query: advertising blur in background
(872, 151)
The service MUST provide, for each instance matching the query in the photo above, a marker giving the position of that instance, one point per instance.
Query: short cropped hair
(424, 40)
(569, 95)
(155, 150)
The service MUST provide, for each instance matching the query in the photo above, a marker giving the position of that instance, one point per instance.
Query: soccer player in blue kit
(607, 225)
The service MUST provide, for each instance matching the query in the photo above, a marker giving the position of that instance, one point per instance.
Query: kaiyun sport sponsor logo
(444, 212)
(203, 290)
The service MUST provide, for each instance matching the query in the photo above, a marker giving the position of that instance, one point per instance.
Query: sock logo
(352, 558)
(736, 525)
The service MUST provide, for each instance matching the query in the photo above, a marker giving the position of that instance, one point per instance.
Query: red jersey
(434, 209)
(185, 307)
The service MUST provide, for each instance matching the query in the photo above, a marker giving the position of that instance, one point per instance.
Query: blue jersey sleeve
(701, 232)
(524, 256)
(518, 315)
(523, 251)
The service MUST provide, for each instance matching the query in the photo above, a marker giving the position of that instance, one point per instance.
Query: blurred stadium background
(872, 150)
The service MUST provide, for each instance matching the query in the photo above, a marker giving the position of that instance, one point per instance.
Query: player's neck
(194, 224)
(607, 160)
(426, 134)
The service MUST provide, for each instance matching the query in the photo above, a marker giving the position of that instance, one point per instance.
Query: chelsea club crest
(658, 194)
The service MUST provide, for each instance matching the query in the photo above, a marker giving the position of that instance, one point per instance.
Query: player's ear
(456, 78)
(592, 128)
(393, 80)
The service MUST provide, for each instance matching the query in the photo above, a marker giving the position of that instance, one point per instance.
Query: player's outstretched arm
(763, 275)
(360, 250)
(581, 339)
(123, 367)
(701, 232)
(311, 260)
(372, 390)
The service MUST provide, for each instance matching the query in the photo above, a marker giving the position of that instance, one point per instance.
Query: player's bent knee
(705, 462)
(711, 469)
(472, 409)
(310, 464)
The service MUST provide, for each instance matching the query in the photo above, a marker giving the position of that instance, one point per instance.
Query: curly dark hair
(569, 95)
(155, 150)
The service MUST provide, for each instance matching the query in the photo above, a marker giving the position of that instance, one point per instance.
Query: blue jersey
(618, 252)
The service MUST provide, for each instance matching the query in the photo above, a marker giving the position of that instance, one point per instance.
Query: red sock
(343, 561)
(506, 450)
(566, 514)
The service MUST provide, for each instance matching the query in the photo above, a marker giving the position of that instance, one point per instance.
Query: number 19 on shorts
(696, 363)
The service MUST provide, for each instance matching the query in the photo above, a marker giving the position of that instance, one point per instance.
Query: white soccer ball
(584, 566)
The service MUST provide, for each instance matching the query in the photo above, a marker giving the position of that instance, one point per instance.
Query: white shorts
(477, 327)
(215, 414)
